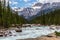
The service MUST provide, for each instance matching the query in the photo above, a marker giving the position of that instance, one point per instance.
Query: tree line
(49, 18)
(8, 17)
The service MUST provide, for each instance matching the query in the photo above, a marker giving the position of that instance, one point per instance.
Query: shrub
(57, 33)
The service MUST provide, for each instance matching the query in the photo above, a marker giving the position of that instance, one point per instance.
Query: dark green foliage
(57, 33)
(7, 17)
(48, 18)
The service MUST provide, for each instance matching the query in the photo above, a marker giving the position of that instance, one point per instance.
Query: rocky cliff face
(29, 12)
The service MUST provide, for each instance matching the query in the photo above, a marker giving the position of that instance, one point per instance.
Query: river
(30, 32)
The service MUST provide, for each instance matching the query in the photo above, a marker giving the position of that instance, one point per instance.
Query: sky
(27, 3)
(21, 3)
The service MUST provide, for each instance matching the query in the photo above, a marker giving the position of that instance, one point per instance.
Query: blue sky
(27, 3)
(21, 3)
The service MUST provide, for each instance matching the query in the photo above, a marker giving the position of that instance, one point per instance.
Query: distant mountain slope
(32, 12)
(49, 18)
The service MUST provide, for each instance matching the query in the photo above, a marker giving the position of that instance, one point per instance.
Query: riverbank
(42, 38)
(48, 37)
(29, 32)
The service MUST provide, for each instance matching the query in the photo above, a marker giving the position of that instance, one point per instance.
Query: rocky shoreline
(31, 33)
(48, 37)
(8, 32)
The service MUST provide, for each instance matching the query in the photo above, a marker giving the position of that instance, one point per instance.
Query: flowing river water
(30, 32)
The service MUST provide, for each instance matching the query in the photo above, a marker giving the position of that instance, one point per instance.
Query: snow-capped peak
(47, 1)
(37, 5)
(33, 11)
(18, 9)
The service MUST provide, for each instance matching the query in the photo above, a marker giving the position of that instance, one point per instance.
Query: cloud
(42, 1)
(10, 2)
(34, 3)
(46, 1)
(26, 0)
(13, 2)
(54, 1)
(6, 1)
(14, 7)
(29, 3)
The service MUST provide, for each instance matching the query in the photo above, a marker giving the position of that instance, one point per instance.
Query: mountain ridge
(29, 12)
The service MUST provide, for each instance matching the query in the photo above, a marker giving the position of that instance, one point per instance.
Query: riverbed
(30, 32)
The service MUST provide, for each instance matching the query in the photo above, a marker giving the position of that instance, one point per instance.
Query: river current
(30, 32)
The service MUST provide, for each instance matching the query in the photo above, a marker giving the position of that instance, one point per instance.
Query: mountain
(50, 18)
(30, 11)
(34, 11)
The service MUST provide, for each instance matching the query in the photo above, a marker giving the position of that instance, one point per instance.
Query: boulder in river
(1, 35)
(18, 30)
(51, 35)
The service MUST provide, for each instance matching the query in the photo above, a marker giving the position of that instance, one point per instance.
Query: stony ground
(44, 38)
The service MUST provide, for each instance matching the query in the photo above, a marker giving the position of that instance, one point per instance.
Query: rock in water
(1, 35)
(18, 30)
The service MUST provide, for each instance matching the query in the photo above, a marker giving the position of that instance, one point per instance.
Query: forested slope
(8, 17)
(48, 18)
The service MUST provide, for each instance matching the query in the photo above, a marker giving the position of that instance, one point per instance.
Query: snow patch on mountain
(47, 1)
(31, 12)
(18, 9)
(36, 7)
